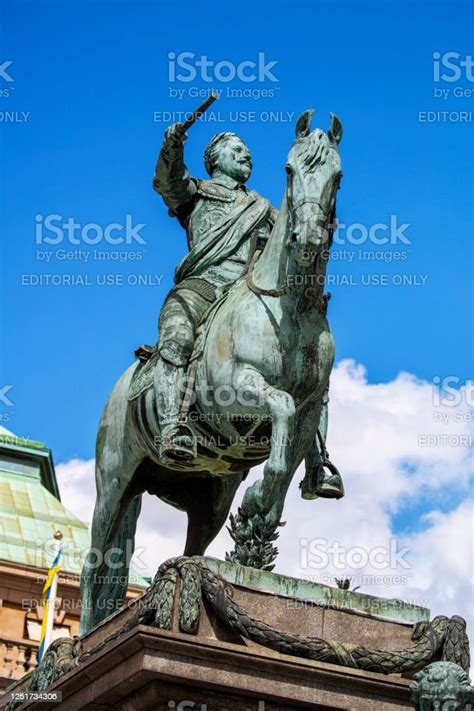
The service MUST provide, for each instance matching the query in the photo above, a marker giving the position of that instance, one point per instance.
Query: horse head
(314, 173)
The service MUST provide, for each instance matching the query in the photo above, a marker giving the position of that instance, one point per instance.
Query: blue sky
(90, 76)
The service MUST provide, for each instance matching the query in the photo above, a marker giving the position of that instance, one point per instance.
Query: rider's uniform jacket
(202, 208)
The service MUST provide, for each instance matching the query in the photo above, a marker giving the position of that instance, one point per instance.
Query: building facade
(31, 512)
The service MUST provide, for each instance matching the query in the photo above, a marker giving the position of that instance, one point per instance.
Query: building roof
(31, 510)
(29, 517)
(26, 451)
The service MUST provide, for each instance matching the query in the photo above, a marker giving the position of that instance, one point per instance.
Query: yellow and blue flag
(45, 600)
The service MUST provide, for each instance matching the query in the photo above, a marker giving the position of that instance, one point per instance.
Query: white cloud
(77, 487)
(378, 436)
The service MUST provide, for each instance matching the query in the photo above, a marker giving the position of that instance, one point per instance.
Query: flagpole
(49, 598)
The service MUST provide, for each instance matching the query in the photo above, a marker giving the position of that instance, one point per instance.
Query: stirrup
(319, 483)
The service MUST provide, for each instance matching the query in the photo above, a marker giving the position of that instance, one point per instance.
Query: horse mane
(308, 150)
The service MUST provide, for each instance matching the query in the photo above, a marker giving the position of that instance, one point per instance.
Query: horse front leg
(255, 527)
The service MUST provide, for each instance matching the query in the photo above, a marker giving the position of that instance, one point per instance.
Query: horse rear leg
(113, 575)
(208, 510)
(207, 503)
(104, 577)
(113, 524)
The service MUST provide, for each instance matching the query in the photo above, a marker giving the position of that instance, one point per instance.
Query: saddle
(142, 378)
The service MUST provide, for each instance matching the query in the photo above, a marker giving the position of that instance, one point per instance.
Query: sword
(199, 112)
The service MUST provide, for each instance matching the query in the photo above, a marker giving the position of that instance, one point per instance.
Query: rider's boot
(177, 440)
(323, 480)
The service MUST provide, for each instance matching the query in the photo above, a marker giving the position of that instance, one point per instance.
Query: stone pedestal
(217, 670)
(158, 670)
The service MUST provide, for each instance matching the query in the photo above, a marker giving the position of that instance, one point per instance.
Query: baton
(199, 112)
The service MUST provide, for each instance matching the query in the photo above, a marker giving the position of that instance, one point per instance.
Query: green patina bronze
(247, 317)
(442, 686)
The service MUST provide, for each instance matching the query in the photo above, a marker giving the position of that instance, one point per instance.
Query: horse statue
(267, 349)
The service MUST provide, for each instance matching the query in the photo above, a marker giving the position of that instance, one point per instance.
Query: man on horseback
(224, 222)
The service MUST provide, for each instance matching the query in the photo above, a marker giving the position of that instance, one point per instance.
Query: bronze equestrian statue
(240, 373)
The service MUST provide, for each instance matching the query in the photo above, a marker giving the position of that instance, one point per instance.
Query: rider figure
(220, 216)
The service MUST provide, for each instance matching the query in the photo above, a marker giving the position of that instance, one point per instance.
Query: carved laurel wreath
(443, 639)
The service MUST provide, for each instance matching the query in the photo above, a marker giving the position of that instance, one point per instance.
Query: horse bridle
(305, 200)
(255, 253)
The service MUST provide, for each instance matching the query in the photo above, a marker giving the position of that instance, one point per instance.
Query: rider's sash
(222, 241)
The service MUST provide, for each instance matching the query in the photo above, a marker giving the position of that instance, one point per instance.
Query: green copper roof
(29, 516)
(30, 457)
(31, 511)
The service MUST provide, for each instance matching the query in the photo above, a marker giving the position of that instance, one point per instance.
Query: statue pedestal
(160, 670)
(217, 669)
